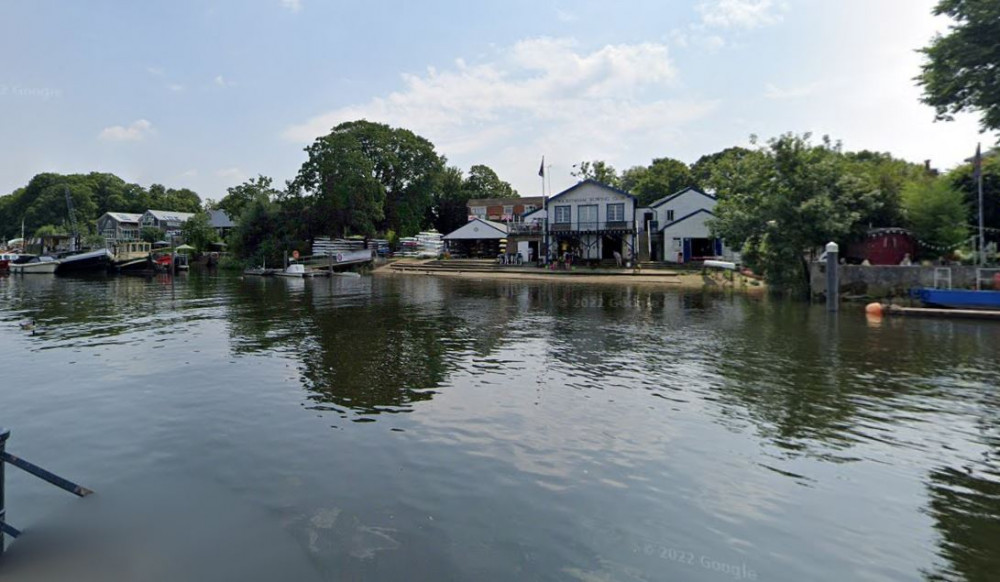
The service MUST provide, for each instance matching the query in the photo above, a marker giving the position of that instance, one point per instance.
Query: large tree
(483, 182)
(393, 167)
(937, 215)
(962, 70)
(710, 170)
(963, 179)
(347, 197)
(597, 170)
(239, 197)
(784, 201)
(663, 177)
(449, 208)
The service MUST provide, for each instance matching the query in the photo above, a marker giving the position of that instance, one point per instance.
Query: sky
(204, 94)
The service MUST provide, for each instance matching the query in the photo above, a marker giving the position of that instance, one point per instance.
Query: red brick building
(502, 209)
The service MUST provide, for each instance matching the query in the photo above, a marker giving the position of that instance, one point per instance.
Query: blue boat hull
(959, 298)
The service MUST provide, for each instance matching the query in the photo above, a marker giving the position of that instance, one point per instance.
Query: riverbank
(683, 279)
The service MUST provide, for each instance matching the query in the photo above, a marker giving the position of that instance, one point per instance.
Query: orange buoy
(874, 309)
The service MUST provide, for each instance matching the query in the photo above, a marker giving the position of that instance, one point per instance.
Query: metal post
(4, 435)
(832, 277)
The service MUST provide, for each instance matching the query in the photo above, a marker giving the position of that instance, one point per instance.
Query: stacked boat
(426, 245)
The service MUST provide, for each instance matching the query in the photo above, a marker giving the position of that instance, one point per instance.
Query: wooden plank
(947, 313)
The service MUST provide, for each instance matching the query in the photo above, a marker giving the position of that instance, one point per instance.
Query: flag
(977, 164)
(541, 169)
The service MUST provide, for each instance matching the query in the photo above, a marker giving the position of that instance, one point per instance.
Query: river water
(419, 428)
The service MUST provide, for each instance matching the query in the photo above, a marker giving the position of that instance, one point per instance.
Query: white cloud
(539, 96)
(233, 174)
(744, 14)
(292, 5)
(155, 71)
(772, 91)
(190, 174)
(223, 82)
(175, 87)
(136, 131)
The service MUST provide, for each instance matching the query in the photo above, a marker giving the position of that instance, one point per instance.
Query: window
(670, 216)
(508, 210)
(587, 216)
(563, 214)
(616, 212)
(479, 211)
(529, 207)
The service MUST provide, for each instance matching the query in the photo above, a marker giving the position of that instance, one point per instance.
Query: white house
(591, 220)
(679, 227)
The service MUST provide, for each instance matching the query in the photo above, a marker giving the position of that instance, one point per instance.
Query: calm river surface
(416, 428)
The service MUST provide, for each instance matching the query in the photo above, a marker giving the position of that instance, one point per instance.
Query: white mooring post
(832, 277)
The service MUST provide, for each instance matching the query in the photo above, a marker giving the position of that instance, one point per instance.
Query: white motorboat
(37, 265)
(296, 270)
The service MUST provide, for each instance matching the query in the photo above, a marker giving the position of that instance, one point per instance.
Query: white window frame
(563, 214)
(617, 206)
(670, 215)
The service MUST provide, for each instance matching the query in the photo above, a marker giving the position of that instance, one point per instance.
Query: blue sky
(204, 94)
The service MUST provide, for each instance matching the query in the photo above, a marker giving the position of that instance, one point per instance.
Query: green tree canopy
(936, 213)
(43, 201)
(710, 169)
(347, 198)
(483, 182)
(783, 201)
(961, 68)
(663, 177)
(599, 171)
(198, 232)
(238, 197)
(151, 234)
(963, 179)
(403, 165)
(449, 207)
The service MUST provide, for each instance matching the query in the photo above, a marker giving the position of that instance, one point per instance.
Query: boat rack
(31, 469)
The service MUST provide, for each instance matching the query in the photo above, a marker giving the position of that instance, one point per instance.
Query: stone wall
(888, 281)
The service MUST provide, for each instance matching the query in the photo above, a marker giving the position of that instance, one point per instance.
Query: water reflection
(555, 430)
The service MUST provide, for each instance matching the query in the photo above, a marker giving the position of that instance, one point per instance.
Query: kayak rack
(32, 469)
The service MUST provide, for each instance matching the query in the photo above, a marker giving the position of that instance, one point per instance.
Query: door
(687, 250)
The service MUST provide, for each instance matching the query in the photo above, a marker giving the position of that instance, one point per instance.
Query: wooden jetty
(939, 312)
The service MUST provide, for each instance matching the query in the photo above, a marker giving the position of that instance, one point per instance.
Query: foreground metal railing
(32, 469)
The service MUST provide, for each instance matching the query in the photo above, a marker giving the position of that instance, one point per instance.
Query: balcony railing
(533, 227)
(585, 226)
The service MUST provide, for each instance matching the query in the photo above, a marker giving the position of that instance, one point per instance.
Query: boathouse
(678, 227)
(591, 221)
(478, 239)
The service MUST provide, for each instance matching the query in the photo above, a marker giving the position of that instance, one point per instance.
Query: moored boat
(36, 266)
(959, 298)
(90, 262)
(297, 270)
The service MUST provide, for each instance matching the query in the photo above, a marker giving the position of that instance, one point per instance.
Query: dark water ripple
(401, 428)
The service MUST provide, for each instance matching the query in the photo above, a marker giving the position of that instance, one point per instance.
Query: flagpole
(545, 225)
(982, 225)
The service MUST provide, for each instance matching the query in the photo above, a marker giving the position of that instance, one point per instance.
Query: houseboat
(98, 261)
